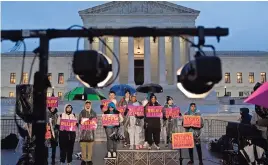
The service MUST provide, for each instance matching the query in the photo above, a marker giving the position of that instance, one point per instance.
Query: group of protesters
(132, 126)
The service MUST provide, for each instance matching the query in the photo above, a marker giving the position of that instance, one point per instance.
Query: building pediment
(138, 8)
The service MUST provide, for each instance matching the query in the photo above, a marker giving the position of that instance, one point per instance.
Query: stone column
(116, 50)
(87, 44)
(101, 44)
(131, 61)
(176, 58)
(191, 49)
(147, 64)
(162, 61)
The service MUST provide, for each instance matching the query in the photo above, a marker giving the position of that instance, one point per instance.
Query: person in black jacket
(153, 125)
(112, 131)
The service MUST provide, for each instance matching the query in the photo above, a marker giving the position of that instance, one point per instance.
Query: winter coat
(152, 122)
(245, 116)
(66, 135)
(123, 102)
(115, 111)
(87, 135)
(54, 117)
(196, 131)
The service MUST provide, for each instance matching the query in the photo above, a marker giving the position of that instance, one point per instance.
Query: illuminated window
(11, 94)
(12, 78)
(48, 94)
(227, 77)
(49, 75)
(241, 94)
(25, 78)
(239, 77)
(61, 78)
(228, 93)
(251, 77)
(59, 94)
(263, 77)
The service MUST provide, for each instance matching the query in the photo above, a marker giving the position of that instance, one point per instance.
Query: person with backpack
(67, 135)
(86, 136)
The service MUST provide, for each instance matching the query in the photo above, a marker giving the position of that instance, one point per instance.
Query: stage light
(92, 68)
(197, 78)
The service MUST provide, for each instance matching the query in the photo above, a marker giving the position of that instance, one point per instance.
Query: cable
(103, 42)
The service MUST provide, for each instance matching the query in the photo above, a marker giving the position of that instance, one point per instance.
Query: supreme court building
(141, 59)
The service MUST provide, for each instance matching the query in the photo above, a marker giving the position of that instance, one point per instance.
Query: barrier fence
(213, 128)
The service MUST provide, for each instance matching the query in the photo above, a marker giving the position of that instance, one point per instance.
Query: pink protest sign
(121, 109)
(135, 110)
(131, 110)
(110, 119)
(68, 125)
(105, 104)
(87, 124)
(172, 112)
(52, 101)
(139, 110)
(154, 111)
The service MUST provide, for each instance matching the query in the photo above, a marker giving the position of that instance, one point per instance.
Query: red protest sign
(68, 125)
(182, 140)
(105, 104)
(172, 112)
(110, 119)
(121, 109)
(52, 101)
(154, 111)
(87, 124)
(192, 121)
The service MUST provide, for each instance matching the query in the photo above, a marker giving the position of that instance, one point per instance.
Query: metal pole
(225, 92)
(40, 97)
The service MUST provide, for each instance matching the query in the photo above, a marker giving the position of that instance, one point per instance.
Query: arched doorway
(139, 71)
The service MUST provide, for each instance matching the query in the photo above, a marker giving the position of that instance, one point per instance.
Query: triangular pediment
(138, 7)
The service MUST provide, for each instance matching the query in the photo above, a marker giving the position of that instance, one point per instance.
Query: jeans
(111, 142)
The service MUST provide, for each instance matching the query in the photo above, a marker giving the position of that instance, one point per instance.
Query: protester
(144, 103)
(153, 125)
(112, 98)
(112, 131)
(245, 117)
(87, 136)
(66, 138)
(196, 133)
(170, 124)
(134, 125)
(53, 117)
(124, 102)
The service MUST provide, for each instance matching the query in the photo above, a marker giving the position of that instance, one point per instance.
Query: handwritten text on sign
(182, 140)
(52, 102)
(192, 121)
(135, 110)
(68, 125)
(121, 109)
(110, 119)
(88, 124)
(172, 112)
(105, 104)
(154, 111)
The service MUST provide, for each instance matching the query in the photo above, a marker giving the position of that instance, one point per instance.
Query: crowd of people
(129, 127)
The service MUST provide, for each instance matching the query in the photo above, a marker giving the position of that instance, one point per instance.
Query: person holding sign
(67, 123)
(88, 122)
(152, 121)
(112, 131)
(112, 98)
(124, 102)
(133, 122)
(170, 119)
(192, 111)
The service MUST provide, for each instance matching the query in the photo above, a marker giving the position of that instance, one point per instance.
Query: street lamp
(52, 92)
(225, 93)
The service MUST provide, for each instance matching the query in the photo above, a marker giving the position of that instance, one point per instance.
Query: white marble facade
(161, 58)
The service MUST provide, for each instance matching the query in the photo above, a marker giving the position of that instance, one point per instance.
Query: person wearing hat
(124, 102)
(134, 125)
(169, 125)
(245, 117)
(87, 136)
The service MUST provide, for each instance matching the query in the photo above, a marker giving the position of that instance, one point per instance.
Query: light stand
(181, 159)
(225, 92)
(41, 78)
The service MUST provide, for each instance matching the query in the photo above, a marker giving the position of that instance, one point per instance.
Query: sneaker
(150, 147)
(157, 147)
(166, 145)
(145, 144)
(114, 154)
(125, 144)
(109, 155)
(190, 162)
(137, 147)
(141, 146)
(131, 147)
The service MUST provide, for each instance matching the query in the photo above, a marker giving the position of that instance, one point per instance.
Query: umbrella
(260, 96)
(83, 93)
(150, 88)
(121, 88)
